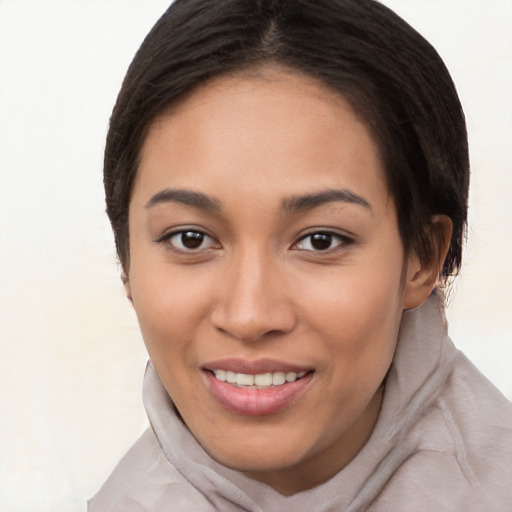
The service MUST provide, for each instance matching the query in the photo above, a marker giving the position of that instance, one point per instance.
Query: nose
(254, 303)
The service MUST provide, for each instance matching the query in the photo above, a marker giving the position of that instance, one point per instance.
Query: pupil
(192, 239)
(321, 241)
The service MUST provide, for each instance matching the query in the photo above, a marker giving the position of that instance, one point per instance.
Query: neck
(324, 465)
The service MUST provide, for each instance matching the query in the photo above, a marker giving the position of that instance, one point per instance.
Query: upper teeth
(261, 380)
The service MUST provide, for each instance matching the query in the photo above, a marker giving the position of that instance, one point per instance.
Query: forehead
(270, 129)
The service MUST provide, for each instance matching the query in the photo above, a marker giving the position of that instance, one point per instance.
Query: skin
(256, 287)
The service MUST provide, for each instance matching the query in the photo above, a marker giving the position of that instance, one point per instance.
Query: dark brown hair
(392, 76)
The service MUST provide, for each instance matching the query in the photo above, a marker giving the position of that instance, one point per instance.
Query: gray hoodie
(443, 442)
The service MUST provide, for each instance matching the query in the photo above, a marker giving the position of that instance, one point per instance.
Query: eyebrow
(307, 202)
(186, 197)
(293, 204)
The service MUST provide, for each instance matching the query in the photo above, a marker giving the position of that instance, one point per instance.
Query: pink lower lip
(257, 402)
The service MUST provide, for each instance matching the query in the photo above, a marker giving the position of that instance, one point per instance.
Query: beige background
(71, 358)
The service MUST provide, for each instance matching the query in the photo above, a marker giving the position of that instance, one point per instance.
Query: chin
(265, 452)
(257, 463)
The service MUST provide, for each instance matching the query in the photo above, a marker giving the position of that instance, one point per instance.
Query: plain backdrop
(71, 357)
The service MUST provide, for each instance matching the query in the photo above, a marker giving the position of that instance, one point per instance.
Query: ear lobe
(422, 277)
(127, 288)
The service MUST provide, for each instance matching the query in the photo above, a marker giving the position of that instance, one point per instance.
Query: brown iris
(192, 239)
(321, 241)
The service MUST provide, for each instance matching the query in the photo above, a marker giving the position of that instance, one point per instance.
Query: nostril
(274, 333)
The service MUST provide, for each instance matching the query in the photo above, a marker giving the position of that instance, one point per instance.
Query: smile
(256, 388)
(259, 381)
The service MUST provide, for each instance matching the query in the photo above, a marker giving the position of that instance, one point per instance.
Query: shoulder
(144, 480)
(479, 420)
(462, 458)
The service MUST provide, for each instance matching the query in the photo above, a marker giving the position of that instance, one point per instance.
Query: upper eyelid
(327, 231)
(166, 241)
(346, 240)
(182, 229)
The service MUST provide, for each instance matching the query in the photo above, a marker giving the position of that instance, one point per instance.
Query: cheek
(170, 306)
(355, 298)
(357, 310)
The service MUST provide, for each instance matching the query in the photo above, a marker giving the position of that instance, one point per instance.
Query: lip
(251, 401)
(238, 365)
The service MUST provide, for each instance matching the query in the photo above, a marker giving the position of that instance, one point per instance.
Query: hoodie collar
(421, 364)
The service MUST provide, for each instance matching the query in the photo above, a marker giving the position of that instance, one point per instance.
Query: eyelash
(167, 239)
(201, 236)
(343, 241)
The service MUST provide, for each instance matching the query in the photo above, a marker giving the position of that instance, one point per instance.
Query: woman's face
(264, 250)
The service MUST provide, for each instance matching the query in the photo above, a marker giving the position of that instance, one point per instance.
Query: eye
(322, 241)
(189, 240)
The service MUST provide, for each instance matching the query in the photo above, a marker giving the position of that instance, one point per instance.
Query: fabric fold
(443, 442)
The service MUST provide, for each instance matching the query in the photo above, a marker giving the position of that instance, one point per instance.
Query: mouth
(256, 389)
(258, 381)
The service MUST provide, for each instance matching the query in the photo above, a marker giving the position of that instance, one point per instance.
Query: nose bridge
(254, 301)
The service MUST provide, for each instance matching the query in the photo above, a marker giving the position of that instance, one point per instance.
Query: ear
(126, 283)
(422, 277)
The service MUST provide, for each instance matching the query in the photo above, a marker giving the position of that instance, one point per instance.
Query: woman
(287, 183)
